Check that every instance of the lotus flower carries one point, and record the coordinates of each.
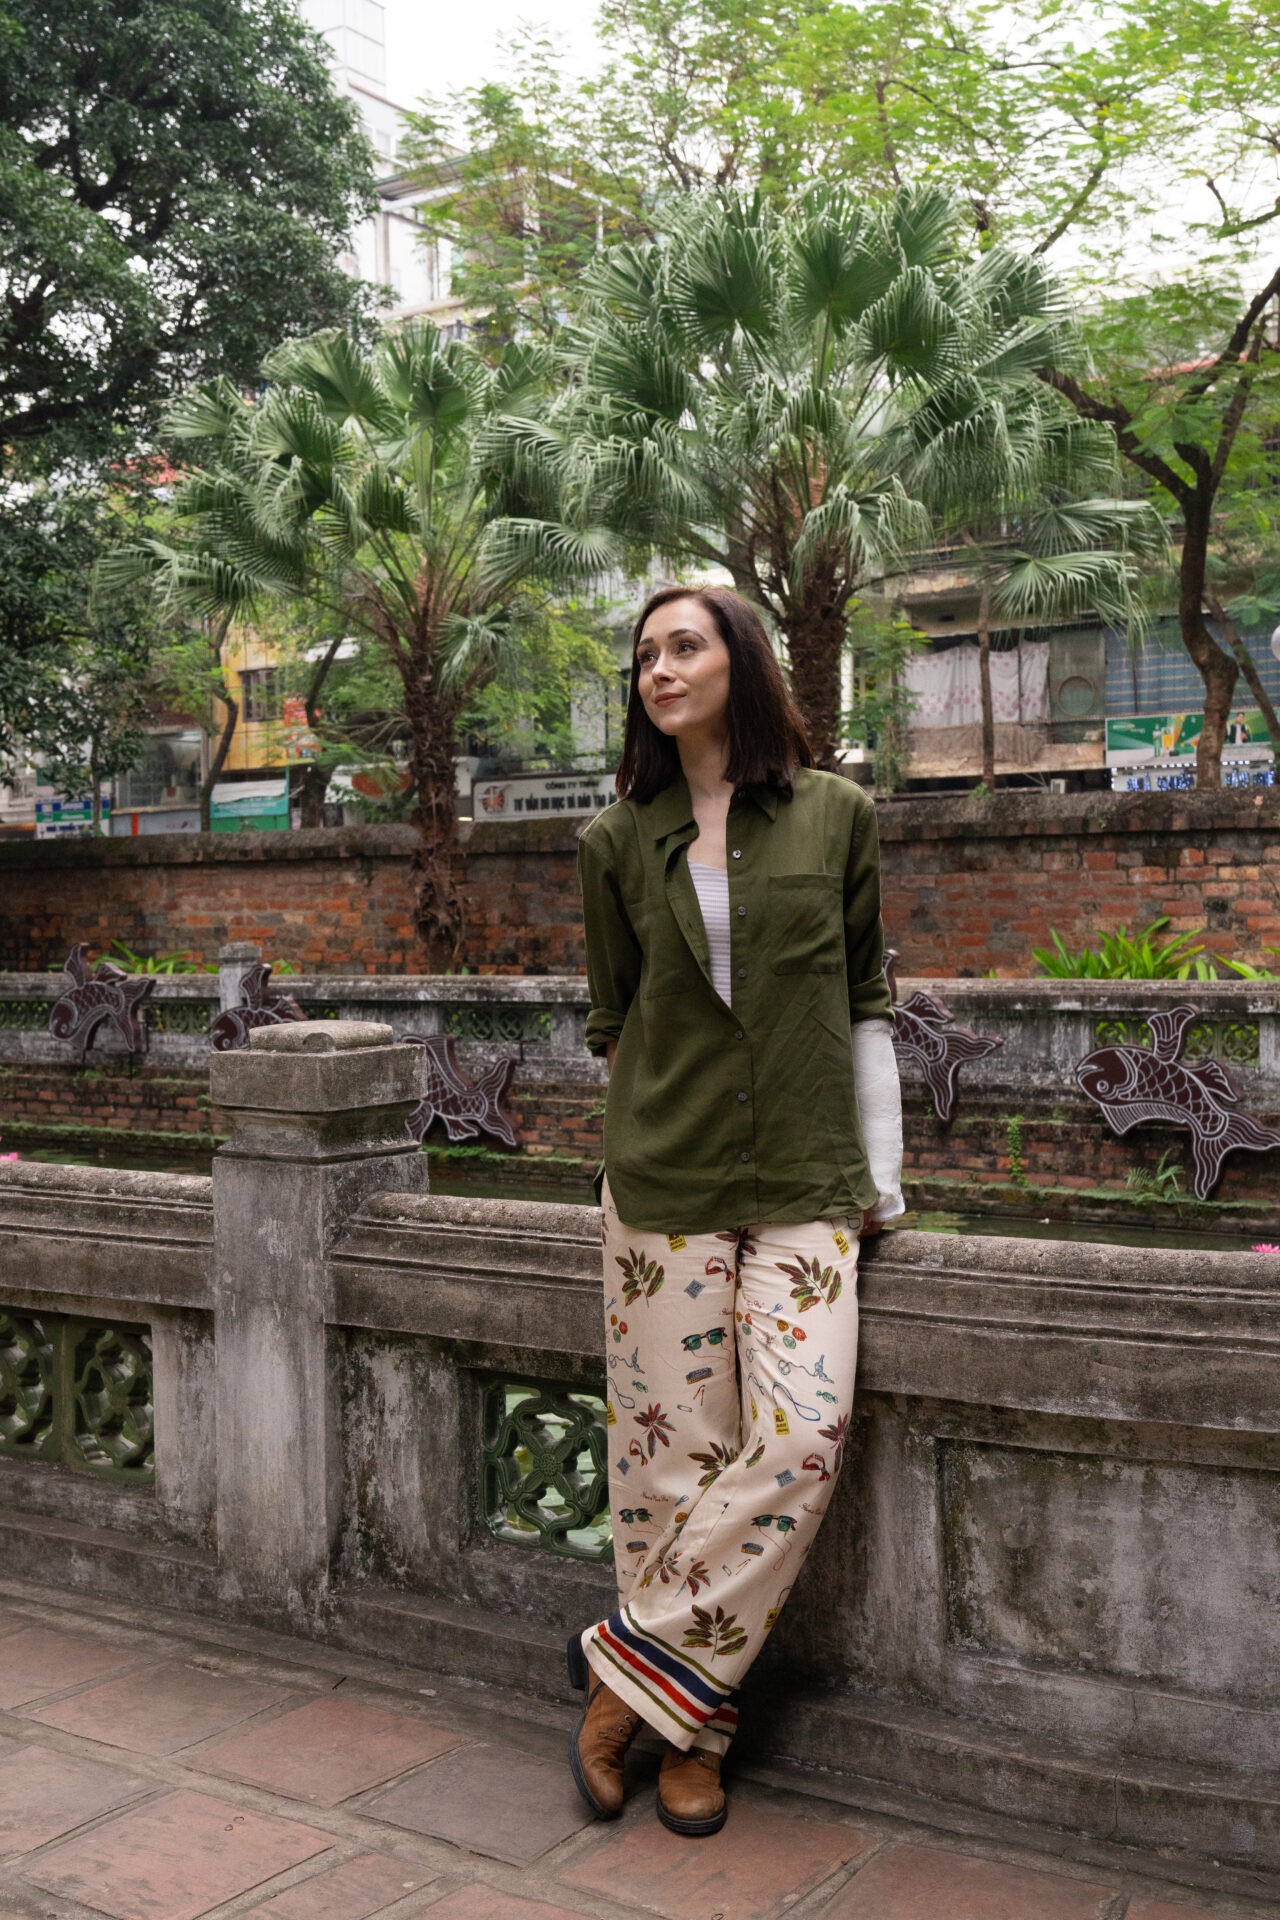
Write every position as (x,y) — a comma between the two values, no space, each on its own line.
(1265,1246)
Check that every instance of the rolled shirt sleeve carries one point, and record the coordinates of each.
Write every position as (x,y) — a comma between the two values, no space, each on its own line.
(869,997)
(879,1096)
(613,952)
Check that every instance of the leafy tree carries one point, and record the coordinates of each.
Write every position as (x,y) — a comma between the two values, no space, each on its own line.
(364,483)
(526,711)
(1198,421)
(178,182)
(880,647)
(753,393)
(72,669)
(190,668)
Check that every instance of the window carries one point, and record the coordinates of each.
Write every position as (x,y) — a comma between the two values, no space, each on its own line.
(263,699)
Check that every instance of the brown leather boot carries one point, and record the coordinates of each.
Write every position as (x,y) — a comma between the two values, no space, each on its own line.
(597,1748)
(690,1797)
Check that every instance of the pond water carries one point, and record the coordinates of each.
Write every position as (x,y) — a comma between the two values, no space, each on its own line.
(453,1179)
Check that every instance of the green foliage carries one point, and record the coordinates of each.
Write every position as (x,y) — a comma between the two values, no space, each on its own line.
(369,485)
(526,710)
(1165,1183)
(1121,956)
(882,704)
(166,963)
(751,393)
(178,182)
(1013,1148)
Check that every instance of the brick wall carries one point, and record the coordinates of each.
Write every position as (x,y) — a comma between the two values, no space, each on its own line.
(969,885)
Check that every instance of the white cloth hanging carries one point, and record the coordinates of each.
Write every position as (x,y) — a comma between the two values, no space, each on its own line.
(949,694)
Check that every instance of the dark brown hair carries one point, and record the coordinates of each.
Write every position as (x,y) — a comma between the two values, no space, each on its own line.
(767,740)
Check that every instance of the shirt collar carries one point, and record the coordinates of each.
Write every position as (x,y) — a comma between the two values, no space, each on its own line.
(672,810)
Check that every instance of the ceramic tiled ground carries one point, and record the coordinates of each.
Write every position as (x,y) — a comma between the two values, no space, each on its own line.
(172,1771)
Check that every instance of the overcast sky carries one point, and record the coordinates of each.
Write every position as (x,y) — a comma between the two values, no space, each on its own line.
(434,48)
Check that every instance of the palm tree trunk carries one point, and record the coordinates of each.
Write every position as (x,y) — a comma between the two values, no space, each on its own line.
(984,683)
(815,636)
(433,752)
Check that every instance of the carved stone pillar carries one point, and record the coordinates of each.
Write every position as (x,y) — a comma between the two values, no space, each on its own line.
(318,1112)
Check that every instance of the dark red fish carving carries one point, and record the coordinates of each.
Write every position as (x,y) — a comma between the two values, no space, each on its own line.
(1133,1084)
(232,1028)
(924,1029)
(107,995)
(467,1107)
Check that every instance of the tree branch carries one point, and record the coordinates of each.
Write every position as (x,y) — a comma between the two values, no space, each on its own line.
(1120,419)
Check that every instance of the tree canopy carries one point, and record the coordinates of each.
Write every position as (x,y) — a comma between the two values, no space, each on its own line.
(178,177)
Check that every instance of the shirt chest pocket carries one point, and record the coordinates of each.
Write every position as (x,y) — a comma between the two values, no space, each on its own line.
(806,923)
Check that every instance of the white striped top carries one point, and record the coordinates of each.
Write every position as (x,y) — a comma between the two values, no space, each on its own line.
(711,884)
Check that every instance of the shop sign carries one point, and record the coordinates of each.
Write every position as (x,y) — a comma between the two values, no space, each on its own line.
(530,796)
(1156,752)
(57,816)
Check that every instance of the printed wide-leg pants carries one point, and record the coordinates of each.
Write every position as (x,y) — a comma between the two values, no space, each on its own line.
(731,1361)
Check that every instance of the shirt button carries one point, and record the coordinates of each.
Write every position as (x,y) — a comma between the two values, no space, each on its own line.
(737,853)
(738,1034)
(742,973)
(742,1096)
(741,912)
(744,1156)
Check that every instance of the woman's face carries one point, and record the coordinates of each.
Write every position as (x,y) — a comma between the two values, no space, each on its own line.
(684,671)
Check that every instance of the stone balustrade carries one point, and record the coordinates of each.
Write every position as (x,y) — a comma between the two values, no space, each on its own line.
(309,1394)
(1046,1025)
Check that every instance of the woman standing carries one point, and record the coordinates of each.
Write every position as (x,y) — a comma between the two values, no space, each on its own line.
(753,1132)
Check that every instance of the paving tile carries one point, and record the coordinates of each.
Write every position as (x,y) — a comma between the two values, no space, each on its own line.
(1166,1910)
(175,1858)
(39,1660)
(43,1795)
(325,1751)
(489,1799)
(756,1861)
(924,1883)
(489,1903)
(357,1888)
(161,1708)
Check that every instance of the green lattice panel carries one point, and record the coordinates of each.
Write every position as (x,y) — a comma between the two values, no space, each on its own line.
(546,1469)
(1240,1043)
(510,1024)
(77,1393)
(27,1387)
(1235,1041)
(112,1421)
(25,1016)
(179,1016)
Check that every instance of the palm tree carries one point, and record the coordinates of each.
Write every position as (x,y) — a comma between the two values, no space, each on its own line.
(736,396)
(359,482)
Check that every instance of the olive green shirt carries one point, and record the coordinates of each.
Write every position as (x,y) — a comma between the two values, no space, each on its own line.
(722,1116)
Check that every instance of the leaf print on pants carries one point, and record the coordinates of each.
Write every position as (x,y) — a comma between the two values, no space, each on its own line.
(655,1426)
(813,1283)
(640,1277)
(718,1631)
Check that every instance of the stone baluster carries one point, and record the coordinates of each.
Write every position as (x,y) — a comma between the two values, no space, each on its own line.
(234,961)
(318,1111)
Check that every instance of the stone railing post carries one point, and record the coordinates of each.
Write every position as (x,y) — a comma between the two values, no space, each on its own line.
(318,1111)
(234,961)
